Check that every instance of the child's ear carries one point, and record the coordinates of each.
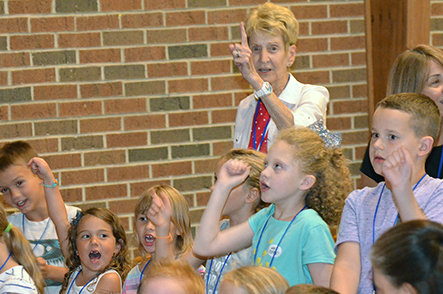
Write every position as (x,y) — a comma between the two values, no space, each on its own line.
(252,195)
(407,289)
(426,144)
(307,182)
(118,246)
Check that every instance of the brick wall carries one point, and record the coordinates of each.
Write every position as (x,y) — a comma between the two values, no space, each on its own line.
(119,95)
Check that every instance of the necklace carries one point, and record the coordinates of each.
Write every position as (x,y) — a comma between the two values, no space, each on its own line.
(219,275)
(143,271)
(44,231)
(279,242)
(254,128)
(3,265)
(76,279)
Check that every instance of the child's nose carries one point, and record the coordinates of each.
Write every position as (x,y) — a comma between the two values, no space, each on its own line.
(94,240)
(15,193)
(377,143)
(150,226)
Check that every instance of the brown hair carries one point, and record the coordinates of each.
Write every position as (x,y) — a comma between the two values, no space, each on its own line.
(257,280)
(425,115)
(275,20)
(179,270)
(411,69)
(327,165)
(309,289)
(15,152)
(21,251)
(119,262)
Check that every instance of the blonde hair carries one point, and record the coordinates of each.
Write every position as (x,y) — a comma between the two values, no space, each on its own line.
(274,20)
(180,215)
(254,159)
(411,69)
(257,280)
(120,260)
(425,115)
(14,153)
(327,165)
(21,251)
(309,289)
(179,270)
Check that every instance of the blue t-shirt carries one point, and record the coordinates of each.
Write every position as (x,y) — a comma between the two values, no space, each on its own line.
(307,241)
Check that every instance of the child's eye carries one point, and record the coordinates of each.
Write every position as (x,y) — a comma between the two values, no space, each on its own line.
(374,135)
(4,190)
(277,166)
(142,218)
(393,137)
(103,235)
(85,236)
(19,183)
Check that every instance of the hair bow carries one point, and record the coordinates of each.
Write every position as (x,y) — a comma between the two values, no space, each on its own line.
(76,219)
(330,139)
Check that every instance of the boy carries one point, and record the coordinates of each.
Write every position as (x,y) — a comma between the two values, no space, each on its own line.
(404,128)
(23,190)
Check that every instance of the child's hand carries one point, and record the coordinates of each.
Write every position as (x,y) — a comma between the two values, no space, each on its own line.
(397,169)
(233,173)
(160,211)
(41,168)
(43,266)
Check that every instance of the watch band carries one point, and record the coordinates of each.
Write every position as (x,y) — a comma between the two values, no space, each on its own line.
(266,89)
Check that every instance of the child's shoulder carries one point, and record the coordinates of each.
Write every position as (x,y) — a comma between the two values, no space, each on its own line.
(357,197)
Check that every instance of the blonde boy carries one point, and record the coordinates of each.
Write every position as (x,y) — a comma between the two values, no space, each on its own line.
(23,190)
(404,129)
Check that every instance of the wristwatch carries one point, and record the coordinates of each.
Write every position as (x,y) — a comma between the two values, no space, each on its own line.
(266,89)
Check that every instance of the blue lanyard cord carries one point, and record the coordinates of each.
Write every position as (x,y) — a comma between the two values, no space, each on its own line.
(76,279)
(254,128)
(279,242)
(441,163)
(219,275)
(3,265)
(143,271)
(44,231)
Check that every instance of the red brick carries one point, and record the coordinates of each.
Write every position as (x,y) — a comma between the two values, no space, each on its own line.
(33,76)
(79,40)
(145,53)
(55,92)
(100,56)
(188,85)
(71,195)
(123,206)
(220,49)
(142,20)
(101,90)
(185,18)
(330,60)
(13,25)
(437,9)
(127,139)
(203,198)
(15,59)
(358,58)
(109,124)
(33,111)
(82,108)
(220,148)
(44,145)
(348,43)
(208,34)
(104,157)
(59,161)
(4,112)
(157,70)
(229,83)
(3,78)
(346,10)
(127,105)
(303,28)
(145,122)
(223,116)
(314,77)
(312,45)
(24,42)
(206,166)
(310,11)
(359,91)
(339,123)
(226,16)
(117,174)
(245,2)
(118,5)
(97,22)
(165,4)
(351,107)
(239,96)
(171,169)
(210,67)
(52,24)
(86,176)
(30,7)
(212,101)
(106,192)
(329,27)
(360,152)
(352,138)
(188,119)
(138,188)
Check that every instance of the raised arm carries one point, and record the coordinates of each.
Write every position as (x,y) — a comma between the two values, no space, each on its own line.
(56,206)
(210,241)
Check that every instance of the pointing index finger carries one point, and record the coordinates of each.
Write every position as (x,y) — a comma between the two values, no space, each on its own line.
(244,37)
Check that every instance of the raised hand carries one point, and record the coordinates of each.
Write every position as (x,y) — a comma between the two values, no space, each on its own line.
(41,168)
(397,169)
(232,173)
(160,211)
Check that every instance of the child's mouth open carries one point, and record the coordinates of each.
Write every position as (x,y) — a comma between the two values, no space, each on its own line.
(149,240)
(95,256)
(264,187)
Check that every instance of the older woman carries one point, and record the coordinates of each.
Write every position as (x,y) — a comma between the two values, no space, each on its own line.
(266,52)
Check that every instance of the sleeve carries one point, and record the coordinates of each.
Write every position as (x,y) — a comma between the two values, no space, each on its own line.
(348,230)
(367,169)
(312,106)
(434,207)
(319,246)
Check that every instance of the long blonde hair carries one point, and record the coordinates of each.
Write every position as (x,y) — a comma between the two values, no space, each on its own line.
(21,251)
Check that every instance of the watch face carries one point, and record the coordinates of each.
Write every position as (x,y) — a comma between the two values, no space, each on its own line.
(268,88)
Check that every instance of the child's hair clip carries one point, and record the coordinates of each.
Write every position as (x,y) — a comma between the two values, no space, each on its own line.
(330,139)
(76,219)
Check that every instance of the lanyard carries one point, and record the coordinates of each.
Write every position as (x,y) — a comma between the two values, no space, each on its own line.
(279,242)
(254,128)
(44,231)
(441,163)
(76,279)
(219,275)
(143,271)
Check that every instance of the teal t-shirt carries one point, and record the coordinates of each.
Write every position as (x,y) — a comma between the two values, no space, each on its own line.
(307,241)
